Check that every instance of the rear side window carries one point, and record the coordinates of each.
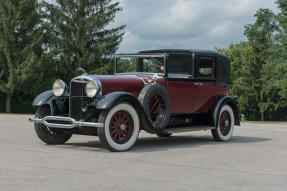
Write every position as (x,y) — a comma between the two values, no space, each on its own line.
(179,64)
(206,67)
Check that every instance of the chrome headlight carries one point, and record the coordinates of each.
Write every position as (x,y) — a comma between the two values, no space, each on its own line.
(92,89)
(59,88)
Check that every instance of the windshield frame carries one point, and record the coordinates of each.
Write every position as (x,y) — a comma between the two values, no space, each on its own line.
(142,55)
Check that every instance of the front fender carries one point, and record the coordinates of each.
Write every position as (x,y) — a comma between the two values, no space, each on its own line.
(43,98)
(109,100)
(57,104)
(112,99)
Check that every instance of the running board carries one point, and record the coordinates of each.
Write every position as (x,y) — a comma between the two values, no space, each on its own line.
(187,129)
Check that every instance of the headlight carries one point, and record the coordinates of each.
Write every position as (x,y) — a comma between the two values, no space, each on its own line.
(92,89)
(59,88)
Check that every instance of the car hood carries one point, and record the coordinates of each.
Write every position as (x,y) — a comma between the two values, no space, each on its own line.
(126,83)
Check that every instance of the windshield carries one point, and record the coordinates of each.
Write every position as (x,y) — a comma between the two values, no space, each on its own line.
(146,64)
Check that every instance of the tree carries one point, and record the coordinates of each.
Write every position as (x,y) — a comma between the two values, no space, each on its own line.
(261,38)
(80,34)
(242,56)
(21,54)
(279,76)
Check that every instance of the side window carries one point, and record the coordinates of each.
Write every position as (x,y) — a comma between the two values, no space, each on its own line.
(179,65)
(206,67)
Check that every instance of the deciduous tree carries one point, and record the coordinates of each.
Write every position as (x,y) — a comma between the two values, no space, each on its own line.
(261,38)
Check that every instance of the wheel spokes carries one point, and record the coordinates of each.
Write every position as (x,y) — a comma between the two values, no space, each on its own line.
(225,123)
(121,127)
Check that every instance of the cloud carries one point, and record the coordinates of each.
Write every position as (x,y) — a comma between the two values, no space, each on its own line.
(203,24)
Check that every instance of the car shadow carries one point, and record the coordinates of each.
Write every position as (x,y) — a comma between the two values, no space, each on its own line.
(152,144)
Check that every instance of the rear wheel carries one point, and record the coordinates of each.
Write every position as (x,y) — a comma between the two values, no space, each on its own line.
(225,124)
(50,136)
(121,128)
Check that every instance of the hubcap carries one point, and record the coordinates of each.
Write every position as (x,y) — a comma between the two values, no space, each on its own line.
(225,123)
(121,127)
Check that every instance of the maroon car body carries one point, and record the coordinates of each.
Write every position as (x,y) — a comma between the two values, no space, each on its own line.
(159,91)
(181,94)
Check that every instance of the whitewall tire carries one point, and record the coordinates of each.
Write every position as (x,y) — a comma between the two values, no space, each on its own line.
(225,124)
(121,127)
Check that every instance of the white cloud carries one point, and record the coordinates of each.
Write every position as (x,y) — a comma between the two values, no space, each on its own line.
(187,24)
(202,24)
(221,30)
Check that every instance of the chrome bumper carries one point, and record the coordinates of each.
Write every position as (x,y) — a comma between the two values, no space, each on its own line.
(72,123)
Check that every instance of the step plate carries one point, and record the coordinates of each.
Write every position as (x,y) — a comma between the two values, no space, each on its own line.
(187,129)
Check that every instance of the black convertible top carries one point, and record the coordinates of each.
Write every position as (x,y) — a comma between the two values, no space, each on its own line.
(222,61)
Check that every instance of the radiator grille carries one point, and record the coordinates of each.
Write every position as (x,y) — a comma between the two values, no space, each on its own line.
(78,99)
(78,89)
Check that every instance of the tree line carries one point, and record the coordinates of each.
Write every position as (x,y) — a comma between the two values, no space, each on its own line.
(259,66)
(40,42)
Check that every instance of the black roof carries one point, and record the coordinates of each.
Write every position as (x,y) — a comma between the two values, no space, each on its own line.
(222,64)
(197,51)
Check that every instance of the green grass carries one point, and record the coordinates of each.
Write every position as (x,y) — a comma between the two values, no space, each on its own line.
(266,122)
(17,114)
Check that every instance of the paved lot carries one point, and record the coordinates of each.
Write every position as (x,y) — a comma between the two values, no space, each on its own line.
(256,159)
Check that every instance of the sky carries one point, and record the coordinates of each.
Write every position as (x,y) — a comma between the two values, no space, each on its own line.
(186,24)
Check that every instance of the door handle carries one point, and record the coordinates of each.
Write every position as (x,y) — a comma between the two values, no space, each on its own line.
(198,84)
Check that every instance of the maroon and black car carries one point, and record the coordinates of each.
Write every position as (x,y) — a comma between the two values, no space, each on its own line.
(158,91)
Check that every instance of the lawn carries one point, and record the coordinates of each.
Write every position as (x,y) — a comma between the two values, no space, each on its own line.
(266,122)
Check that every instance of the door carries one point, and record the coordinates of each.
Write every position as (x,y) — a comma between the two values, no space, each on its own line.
(180,83)
(207,90)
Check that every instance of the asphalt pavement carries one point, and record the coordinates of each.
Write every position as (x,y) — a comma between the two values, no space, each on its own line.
(255,159)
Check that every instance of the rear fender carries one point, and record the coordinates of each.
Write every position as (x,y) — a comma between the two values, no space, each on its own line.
(222,101)
(112,99)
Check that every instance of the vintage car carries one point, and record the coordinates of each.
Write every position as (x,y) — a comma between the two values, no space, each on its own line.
(158,91)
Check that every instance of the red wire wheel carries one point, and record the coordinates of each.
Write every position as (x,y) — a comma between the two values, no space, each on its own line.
(121,127)
(225,123)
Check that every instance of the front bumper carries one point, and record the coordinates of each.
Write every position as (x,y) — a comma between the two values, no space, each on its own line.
(64,122)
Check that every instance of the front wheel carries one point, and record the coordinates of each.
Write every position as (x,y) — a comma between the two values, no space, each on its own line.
(121,128)
(50,136)
(225,124)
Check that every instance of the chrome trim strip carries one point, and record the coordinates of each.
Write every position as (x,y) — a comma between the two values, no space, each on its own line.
(142,55)
(73,124)
(86,79)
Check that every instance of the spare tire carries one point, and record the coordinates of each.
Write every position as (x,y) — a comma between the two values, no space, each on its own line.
(155,101)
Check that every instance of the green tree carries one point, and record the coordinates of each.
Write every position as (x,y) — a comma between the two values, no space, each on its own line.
(22,59)
(82,35)
(261,38)
(281,49)
(280,52)
(242,56)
